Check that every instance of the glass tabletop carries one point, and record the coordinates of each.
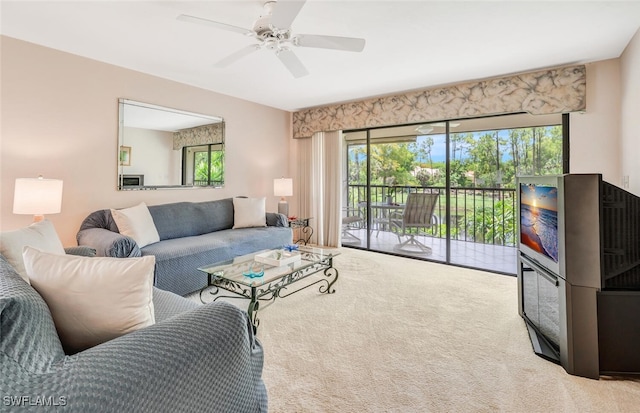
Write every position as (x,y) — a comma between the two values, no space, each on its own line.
(237,269)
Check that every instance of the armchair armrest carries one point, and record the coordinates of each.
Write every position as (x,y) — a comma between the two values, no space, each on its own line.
(396,214)
(108,243)
(275,219)
(206,359)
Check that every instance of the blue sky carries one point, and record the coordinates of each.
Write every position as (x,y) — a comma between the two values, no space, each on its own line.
(439,151)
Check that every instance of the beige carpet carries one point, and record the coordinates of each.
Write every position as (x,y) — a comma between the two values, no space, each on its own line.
(401,335)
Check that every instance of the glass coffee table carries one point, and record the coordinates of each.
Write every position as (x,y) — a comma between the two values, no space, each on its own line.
(241,276)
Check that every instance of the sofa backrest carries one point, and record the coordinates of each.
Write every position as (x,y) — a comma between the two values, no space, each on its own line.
(175,220)
(29,336)
(185,219)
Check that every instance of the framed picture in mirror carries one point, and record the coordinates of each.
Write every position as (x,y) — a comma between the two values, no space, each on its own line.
(125,155)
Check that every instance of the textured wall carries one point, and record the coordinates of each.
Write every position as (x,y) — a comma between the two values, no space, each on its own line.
(558,90)
(60,119)
(594,135)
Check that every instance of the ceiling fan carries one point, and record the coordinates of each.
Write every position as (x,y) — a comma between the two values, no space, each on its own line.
(272,30)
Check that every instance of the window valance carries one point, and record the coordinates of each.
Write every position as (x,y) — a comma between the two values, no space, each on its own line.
(559,90)
(200,135)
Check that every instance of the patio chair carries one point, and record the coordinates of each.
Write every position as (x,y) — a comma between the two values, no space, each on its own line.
(417,216)
(352,220)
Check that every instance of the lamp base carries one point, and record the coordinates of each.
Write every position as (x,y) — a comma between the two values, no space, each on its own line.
(283,208)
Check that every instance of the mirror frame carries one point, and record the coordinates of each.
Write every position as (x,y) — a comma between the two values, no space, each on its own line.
(134,181)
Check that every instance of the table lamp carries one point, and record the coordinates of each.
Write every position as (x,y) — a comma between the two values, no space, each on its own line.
(37,196)
(283,187)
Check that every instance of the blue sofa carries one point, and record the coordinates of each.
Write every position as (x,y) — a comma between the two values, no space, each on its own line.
(192,235)
(195,358)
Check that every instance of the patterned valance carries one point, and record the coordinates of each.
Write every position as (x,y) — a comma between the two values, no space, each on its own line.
(201,135)
(550,91)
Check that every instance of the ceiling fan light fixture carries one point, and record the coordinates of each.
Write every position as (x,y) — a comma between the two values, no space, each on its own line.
(424,129)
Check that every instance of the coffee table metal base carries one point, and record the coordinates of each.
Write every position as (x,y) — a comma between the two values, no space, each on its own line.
(277,288)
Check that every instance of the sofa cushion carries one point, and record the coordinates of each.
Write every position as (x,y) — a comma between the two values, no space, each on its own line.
(93,300)
(136,222)
(178,260)
(187,219)
(249,212)
(41,235)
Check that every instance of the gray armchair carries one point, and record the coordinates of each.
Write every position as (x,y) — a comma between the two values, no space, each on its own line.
(201,358)
(417,216)
(352,219)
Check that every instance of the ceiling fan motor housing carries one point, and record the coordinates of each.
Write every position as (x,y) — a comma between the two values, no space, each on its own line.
(262,26)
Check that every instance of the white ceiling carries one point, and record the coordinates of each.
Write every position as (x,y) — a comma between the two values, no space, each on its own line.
(410,44)
(146,116)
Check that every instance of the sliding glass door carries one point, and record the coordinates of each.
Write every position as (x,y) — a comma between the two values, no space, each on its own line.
(445,191)
(390,171)
(485,156)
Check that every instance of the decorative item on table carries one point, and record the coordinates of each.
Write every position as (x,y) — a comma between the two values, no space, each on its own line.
(283,187)
(278,257)
(291,247)
(255,271)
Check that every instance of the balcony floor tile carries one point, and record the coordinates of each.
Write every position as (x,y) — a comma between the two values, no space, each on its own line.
(495,258)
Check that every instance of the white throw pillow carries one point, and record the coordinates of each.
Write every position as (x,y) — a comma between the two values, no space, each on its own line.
(41,235)
(93,299)
(136,222)
(249,212)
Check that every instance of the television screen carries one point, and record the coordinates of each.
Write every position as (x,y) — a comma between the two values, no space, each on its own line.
(539,219)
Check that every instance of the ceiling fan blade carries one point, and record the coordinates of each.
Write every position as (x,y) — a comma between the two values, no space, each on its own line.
(233,57)
(206,22)
(349,44)
(285,12)
(291,61)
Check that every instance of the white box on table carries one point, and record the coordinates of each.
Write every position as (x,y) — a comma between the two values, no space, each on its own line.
(278,257)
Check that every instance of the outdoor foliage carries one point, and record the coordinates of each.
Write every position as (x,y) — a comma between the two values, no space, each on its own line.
(215,168)
(493,224)
(487,159)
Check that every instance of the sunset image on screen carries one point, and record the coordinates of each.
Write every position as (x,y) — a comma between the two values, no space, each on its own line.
(539,219)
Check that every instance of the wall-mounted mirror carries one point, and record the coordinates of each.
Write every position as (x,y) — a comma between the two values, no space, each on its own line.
(162,148)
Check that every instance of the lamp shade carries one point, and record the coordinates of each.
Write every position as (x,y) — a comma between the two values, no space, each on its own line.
(37,196)
(283,187)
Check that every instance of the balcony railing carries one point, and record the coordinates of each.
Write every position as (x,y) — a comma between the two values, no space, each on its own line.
(480,215)
(207,183)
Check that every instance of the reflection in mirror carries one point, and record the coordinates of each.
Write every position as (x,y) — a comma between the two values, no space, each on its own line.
(168,148)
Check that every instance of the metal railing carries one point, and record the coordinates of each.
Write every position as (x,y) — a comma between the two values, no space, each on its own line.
(207,183)
(480,215)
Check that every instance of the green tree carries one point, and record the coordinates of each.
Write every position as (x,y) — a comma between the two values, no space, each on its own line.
(535,151)
(485,157)
(423,150)
(357,166)
(209,171)
(392,164)
(459,144)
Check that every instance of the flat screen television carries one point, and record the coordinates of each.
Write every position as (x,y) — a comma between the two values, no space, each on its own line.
(539,202)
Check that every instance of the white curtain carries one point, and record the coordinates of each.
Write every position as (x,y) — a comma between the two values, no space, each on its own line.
(320,175)
(303,183)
